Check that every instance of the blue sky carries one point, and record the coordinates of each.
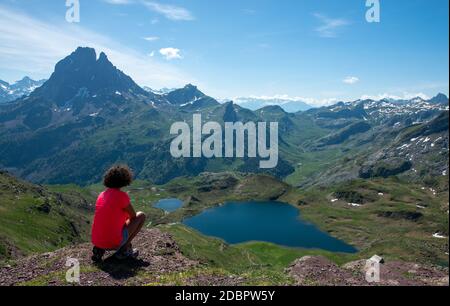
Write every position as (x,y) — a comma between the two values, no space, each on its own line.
(316,50)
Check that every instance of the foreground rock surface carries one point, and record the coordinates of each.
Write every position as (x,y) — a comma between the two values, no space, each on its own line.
(159,255)
(161,262)
(317,270)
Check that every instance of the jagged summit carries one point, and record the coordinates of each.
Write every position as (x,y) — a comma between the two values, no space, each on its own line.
(81,86)
(82,70)
(440,98)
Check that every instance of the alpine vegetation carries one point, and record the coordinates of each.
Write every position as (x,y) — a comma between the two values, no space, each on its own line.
(229,144)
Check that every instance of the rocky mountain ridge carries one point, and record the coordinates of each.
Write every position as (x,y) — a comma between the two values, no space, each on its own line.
(11,92)
(88,108)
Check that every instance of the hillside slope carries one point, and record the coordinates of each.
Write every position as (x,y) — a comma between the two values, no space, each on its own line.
(35,219)
(418,153)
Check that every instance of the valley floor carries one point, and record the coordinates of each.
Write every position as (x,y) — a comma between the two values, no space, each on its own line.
(406,224)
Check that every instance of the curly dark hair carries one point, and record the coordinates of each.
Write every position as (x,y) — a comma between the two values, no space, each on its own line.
(118,176)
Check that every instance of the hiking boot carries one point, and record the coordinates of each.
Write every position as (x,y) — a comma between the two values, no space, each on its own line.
(127,254)
(97,254)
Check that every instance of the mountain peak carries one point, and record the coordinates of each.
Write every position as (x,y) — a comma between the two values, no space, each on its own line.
(289,105)
(273,109)
(27,82)
(25,79)
(440,98)
(82,55)
(82,70)
(21,88)
(190,86)
(103,58)
(188,93)
(85,51)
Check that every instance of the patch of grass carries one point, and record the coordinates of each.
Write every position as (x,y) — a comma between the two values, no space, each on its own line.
(185,278)
(366,228)
(34,219)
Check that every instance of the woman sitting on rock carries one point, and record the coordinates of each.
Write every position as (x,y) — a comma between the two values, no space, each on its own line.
(116,223)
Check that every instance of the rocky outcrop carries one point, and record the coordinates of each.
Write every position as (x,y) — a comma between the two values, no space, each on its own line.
(216,181)
(159,255)
(161,262)
(319,271)
(385,168)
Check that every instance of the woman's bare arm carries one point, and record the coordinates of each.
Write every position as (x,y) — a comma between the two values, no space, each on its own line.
(131,212)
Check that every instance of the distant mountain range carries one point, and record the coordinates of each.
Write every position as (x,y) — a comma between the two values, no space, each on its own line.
(161,91)
(11,92)
(288,105)
(251,103)
(89,115)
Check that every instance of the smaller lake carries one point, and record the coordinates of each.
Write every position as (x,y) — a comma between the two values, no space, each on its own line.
(274,222)
(169,205)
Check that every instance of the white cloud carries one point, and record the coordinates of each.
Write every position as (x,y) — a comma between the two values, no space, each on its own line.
(33,47)
(329,26)
(151,38)
(351,80)
(171,12)
(171,53)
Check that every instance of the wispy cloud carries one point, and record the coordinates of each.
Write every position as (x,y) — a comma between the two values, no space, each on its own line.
(33,47)
(151,38)
(329,26)
(171,53)
(351,80)
(171,12)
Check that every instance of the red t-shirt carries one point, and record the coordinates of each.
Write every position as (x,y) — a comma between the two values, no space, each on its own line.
(110,218)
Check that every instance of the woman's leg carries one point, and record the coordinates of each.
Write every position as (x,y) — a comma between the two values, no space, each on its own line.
(134,227)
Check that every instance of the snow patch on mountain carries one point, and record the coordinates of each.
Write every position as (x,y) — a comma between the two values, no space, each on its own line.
(21,88)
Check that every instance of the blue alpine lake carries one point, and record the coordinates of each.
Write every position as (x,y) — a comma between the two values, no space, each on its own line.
(275,222)
(169,205)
